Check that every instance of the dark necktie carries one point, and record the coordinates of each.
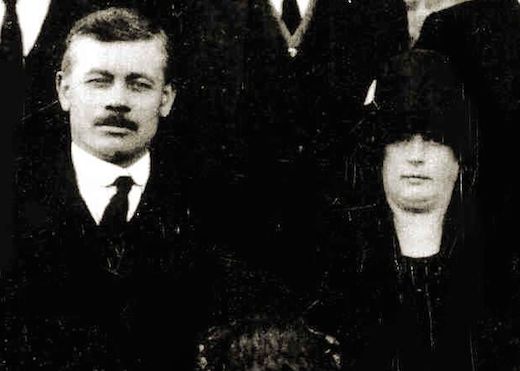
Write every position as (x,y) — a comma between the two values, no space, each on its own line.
(291,15)
(11,48)
(117,209)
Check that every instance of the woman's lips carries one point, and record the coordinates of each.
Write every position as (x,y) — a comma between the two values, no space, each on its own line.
(416,179)
(416,176)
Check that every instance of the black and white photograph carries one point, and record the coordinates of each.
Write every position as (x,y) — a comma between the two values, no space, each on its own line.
(259,185)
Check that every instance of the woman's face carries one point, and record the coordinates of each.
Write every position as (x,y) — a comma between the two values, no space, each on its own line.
(419,175)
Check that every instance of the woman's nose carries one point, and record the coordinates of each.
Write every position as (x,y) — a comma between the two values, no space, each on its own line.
(416,150)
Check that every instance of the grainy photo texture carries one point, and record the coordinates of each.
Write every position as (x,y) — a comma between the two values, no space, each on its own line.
(257,185)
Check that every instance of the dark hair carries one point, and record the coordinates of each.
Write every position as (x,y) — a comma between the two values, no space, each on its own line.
(268,345)
(118,24)
(417,92)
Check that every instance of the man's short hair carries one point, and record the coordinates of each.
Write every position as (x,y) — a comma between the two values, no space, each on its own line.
(117,24)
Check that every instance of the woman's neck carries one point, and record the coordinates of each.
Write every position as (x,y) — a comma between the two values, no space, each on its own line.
(419,234)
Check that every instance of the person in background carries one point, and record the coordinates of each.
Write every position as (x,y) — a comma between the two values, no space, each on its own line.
(418,11)
(264,344)
(482,37)
(30,36)
(31,40)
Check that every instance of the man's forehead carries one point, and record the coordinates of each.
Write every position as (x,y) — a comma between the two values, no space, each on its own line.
(142,54)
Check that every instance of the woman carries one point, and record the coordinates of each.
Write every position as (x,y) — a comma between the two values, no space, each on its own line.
(400,288)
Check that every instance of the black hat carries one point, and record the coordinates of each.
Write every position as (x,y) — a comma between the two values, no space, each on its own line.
(418,93)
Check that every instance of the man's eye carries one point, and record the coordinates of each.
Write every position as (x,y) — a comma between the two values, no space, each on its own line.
(140,85)
(98,82)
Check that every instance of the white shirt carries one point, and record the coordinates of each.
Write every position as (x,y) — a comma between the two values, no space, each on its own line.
(95,179)
(303,5)
(31,15)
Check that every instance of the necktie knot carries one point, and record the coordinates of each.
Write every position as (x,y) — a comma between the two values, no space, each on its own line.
(123,184)
(116,211)
(10,4)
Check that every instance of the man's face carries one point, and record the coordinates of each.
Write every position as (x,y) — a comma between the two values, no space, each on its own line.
(115,93)
(419,175)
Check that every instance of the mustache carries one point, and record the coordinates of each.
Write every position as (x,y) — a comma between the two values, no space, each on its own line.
(119,121)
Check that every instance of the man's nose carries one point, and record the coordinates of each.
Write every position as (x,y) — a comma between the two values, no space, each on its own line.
(416,148)
(118,98)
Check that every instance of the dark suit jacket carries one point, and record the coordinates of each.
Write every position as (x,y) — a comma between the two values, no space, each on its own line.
(144,313)
(274,125)
(43,61)
(32,92)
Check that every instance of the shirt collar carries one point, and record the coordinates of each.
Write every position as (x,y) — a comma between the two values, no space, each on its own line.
(94,171)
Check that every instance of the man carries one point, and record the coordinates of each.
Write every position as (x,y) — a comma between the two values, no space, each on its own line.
(32,37)
(107,255)
(482,37)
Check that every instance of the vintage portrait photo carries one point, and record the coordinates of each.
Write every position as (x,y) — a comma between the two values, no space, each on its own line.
(259,185)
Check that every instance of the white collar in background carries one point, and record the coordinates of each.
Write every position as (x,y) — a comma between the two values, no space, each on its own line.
(303,5)
(95,179)
(31,15)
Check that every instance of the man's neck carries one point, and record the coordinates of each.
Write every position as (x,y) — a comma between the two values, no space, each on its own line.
(125,161)
(117,159)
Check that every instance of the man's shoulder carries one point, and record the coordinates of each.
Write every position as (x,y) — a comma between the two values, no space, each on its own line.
(364,9)
(171,169)
(45,189)
(446,29)
(472,10)
(169,191)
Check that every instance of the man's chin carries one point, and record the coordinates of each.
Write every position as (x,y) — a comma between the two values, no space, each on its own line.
(121,156)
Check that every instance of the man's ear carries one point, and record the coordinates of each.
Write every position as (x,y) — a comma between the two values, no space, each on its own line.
(63,89)
(167,98)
